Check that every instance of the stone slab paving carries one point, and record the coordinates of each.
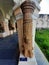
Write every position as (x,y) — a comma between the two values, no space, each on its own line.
(40,58)
(9,50)
(8,46)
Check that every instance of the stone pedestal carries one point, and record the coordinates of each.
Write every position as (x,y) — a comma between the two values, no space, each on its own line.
(27,9)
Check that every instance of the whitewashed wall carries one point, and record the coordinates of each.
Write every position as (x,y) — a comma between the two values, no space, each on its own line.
(43,22)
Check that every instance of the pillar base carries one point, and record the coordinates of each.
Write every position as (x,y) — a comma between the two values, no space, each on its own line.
(4,34)
(30,61)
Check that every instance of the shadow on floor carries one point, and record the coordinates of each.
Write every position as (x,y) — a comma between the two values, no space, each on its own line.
(9,50)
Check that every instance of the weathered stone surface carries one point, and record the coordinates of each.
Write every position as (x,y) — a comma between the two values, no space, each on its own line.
(27,9)
(20,33)
(17,11)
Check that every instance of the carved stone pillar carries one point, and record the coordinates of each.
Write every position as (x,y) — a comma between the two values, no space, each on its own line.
(27,9)
(19,21)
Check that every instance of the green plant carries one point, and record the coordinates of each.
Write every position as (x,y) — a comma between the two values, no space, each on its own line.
(42,39)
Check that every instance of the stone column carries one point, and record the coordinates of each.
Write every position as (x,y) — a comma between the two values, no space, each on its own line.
(20,33)
(6,27)
(19,21)
(27,9)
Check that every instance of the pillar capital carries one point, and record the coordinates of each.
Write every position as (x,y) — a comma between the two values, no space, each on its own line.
(28,7)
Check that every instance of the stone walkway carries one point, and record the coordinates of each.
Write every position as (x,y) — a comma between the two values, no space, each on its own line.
(9,50)
(40,58)
(8,47)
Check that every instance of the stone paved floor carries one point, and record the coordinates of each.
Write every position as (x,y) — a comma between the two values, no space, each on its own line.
(8,47)
(9,50)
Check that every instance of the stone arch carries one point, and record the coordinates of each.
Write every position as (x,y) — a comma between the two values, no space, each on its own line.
(2,12)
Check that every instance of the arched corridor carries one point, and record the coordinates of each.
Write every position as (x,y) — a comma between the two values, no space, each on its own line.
(18,26)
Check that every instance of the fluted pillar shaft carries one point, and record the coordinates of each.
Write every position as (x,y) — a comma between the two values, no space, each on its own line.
(27,9)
